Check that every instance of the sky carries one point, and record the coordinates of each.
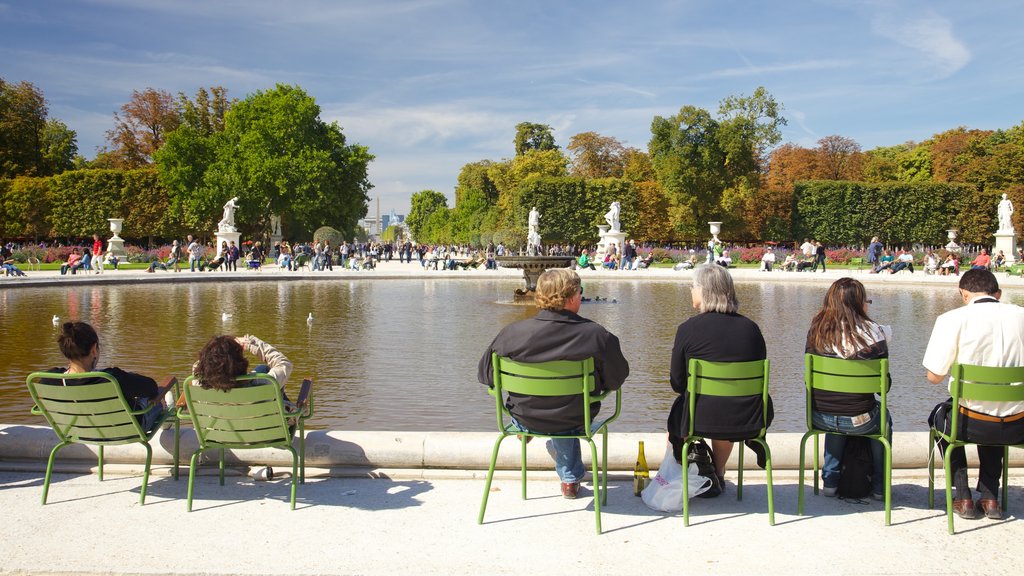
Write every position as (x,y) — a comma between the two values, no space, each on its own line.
(431,85)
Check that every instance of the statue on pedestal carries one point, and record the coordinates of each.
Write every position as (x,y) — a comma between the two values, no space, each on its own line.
(532,232)
(275,225)
(612,217)
(1005,214)
(227,223)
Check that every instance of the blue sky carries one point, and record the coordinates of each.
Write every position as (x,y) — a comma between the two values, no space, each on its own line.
(430,85)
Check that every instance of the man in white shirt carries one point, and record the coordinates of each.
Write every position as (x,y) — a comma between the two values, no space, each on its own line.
(984,332)
(807,248)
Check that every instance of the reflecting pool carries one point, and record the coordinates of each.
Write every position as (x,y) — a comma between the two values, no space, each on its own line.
(402,354)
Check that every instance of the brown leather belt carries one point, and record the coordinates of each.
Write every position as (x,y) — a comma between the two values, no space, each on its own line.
(988,417)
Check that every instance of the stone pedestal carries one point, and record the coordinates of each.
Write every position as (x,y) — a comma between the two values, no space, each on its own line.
(1006,240)
(228,237)
(616,238)
(115,245)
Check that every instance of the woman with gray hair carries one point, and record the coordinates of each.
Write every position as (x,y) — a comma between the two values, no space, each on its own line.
(720,334)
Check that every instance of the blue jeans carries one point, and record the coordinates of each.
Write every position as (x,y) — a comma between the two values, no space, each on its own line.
(566,454)
(835,443)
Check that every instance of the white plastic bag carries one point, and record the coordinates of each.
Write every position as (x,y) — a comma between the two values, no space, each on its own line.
(665,492)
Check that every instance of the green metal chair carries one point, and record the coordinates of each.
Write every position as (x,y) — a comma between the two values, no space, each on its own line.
(731,379)
(856,264)
(557,378)
(983,383)
(253,415)
(855,377)
(89,408)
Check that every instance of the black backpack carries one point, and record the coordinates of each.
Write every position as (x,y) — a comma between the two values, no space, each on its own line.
(857,467)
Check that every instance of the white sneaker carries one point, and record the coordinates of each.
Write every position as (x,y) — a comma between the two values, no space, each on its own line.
(878,496)
(829,492)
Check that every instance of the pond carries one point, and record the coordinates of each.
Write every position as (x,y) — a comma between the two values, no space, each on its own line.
(390,354)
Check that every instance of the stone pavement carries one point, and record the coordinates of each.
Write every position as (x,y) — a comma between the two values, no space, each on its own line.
(394,523)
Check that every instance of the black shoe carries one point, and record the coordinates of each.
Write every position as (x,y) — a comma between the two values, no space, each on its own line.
(758,449)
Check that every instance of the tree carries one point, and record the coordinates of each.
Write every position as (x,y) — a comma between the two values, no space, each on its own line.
(205,114)
(423,206)
(596,156)
(22,122)
(530,136)
(59,147)
(839,158)
(278,157)
(710,168)
(141,127)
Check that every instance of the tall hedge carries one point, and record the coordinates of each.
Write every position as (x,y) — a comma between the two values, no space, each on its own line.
(840,212)
(571,208)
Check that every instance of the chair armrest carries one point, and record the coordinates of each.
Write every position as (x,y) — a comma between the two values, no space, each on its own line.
(307,387)
(166,385)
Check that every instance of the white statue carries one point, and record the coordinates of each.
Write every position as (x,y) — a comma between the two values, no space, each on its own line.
(275,225)
(533,232)
(613,217)
(1005,212)
(227,223)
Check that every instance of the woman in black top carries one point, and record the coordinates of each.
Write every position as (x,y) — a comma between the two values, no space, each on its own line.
(80,344)
(842,329)
(718,334)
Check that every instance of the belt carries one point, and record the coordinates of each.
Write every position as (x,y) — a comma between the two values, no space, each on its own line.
(988,417)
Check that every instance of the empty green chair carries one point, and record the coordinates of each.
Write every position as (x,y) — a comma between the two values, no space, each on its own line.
(253,415)
(731,379)
(855,377)
(557,378)
(89,408)
(983,383)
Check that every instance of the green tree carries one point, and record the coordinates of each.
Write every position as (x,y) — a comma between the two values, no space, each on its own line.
(22,122)
(424,205)
(530,136)
(205,113)
(58,146)
(278,157)
(25,207)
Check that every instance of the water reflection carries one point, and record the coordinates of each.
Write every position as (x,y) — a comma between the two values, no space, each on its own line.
(402,354)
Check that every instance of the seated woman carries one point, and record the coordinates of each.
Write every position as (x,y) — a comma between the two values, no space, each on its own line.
(80,344)
(10,268)
(73,263)
(886,261)
(999,261)
(950,265)
(931,262)
(223,358)
(172,260)
(842,329)
(584,260)
(611,261)
(724,259)
(718,333)
(645,262)
(790,264)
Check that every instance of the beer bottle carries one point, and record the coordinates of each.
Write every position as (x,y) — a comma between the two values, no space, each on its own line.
(641,474)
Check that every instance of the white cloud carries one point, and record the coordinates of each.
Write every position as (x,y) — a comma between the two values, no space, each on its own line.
(930,36)
(752,70)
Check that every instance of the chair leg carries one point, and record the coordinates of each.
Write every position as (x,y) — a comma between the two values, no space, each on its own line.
(771,493)
(887,446)
(490,476)
(598,494)
(100,464)
(604,465)
(739,474)
(145,473)
(193,462)
(49,469)
(686,480)
(817,466)
(302,452)
(221,469)
(800,487)
(522,463)
(295,474)
(177,445)
(947,468)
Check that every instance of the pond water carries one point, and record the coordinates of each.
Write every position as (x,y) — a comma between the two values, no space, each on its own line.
(402,354)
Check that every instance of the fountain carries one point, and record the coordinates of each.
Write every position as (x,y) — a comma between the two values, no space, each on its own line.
(533,263)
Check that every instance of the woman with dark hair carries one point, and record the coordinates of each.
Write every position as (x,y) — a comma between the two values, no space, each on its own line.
(842,329)
(222,359)
(80,344)
(720,334)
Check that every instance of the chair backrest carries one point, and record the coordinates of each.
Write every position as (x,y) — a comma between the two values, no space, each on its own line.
(845,375)
(555,378)
(727,379)
(86,407)
(983,383)
(251,415)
